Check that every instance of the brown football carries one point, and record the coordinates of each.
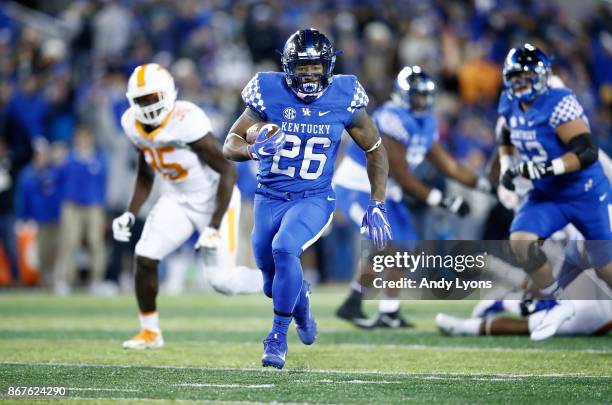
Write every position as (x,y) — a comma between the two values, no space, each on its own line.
(253,131)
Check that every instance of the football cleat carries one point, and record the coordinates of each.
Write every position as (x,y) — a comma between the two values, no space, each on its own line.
(391,320)
(145,339)
(305,324)
(449,325)
(275,351)
(351,311)
(553,319)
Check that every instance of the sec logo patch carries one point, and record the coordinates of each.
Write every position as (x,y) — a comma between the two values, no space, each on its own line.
(289,113)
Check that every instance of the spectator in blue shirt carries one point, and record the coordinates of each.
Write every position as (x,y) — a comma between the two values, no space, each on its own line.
(38,198)
(83,214)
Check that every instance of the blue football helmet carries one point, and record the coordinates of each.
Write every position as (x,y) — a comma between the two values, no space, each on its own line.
(308,47)
(526,58)
(414,89)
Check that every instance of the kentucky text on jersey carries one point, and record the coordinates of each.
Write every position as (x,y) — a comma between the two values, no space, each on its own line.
(297,127)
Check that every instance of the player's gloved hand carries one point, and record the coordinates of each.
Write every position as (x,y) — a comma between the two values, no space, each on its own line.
(533,170)
(376,224)
(265,147)
(208,244)
(509,199)
(507,179)
(456,205)
(210,238)
(122,227)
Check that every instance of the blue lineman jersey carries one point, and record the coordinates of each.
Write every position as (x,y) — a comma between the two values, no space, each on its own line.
(416,133)
(533,135)
(313,130)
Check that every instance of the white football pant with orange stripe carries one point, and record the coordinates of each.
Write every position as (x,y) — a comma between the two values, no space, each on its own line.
(175,217)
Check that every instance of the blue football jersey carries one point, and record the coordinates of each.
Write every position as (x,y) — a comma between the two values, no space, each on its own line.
(416,132)
(533,135)
(313,130)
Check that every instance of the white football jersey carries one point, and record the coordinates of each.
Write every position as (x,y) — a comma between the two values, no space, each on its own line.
(166,150)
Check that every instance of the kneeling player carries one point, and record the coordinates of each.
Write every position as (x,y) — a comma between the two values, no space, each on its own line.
(592,317)
(174,139)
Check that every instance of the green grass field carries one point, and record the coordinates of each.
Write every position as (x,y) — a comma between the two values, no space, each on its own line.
(213,347)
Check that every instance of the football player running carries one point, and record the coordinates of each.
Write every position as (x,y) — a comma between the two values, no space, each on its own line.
(549,130)
(174,140)
(410,135)
(295,201)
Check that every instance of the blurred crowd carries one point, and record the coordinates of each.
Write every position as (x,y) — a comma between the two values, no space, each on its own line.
(66,166)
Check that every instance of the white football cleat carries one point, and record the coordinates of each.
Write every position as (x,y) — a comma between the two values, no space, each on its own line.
(552,320)
(145,339)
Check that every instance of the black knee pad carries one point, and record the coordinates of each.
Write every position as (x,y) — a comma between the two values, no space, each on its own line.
(536,257)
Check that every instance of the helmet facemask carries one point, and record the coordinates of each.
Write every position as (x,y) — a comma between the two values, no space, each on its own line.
(308,60)
(309,77)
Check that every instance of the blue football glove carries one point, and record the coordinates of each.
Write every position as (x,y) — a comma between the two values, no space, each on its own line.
(265,147)
(376,224)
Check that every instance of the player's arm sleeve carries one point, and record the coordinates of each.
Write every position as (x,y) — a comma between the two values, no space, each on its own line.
(583,146)
(253,98)
(391,125)
(357,106)
(567,109)
(502,132)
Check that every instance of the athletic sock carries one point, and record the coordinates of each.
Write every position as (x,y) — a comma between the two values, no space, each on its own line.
(357,289)
(388,305)
(149,321)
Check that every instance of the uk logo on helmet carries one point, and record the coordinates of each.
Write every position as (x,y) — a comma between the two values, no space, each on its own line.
(289,113)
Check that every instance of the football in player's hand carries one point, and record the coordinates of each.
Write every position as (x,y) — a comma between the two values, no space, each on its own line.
(254,130)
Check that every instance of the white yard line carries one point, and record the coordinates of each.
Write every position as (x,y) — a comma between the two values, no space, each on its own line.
(316,371)
(103,389)
(409,347)
(169,401)
(207,385)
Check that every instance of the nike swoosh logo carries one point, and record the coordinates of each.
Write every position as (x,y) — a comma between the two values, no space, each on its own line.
(322,113)
(603,196)
(331,199)
(262,152)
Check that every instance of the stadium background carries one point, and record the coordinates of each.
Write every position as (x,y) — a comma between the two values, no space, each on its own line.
(64,67)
